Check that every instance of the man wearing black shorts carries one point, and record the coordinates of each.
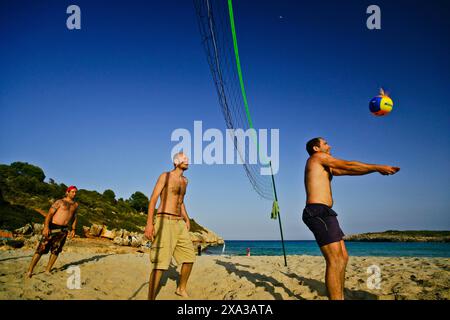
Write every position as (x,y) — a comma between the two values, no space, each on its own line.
(56,229)
(318,214)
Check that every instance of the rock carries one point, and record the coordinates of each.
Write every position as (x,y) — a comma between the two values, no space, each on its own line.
(37,228)
(135,242)
(401,236)
(15,243)
(196,237)
(122,241)
(96,230)
(205,237)
(125,233)
(209,237)
(118,241)
(87,232)
(119,233)
(109,234)
(123,237)
(25,230)
(32,241)
(126,241)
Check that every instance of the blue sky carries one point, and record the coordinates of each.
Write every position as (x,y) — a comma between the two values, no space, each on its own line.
(96,107)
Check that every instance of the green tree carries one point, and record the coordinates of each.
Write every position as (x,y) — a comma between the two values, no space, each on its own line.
(1,196)
(24,184)
(26,169)
(5,171)
(139,201)
(109,195)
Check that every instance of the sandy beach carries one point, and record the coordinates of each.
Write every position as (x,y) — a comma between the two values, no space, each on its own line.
(112,272)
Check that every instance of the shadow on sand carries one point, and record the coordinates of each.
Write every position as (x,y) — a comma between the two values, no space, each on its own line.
(171,273)
(259,280)
(14,258)
(321,289)
(83,261)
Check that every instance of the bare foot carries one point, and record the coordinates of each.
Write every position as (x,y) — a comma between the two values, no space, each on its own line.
(29,274)
(181,293)
(48,273)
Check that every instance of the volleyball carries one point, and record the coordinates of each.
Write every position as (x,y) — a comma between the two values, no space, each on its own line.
(381,105)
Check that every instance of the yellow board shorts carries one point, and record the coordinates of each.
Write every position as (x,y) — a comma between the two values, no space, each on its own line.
(171,239)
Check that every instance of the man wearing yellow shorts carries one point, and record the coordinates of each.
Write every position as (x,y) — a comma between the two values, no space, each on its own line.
(169,230)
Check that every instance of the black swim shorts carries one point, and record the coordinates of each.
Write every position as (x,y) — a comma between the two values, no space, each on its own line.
(322,221)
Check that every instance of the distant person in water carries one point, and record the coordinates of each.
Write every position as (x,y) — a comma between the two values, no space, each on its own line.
(169,230)
(318,215)
(248,252)
(56,229)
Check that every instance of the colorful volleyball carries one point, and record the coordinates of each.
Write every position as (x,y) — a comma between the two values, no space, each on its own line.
(381,105)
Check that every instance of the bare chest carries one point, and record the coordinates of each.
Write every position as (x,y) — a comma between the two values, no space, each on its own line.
(318,173)
(176,187)
(67,208)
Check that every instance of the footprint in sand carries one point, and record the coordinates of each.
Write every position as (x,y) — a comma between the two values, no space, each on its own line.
(230,295)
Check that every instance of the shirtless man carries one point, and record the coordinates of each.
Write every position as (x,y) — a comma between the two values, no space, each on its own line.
(169,230)
(318,215)
(56,229)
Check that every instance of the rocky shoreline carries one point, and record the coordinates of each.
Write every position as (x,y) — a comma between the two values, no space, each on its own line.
(29,235)
(401,236)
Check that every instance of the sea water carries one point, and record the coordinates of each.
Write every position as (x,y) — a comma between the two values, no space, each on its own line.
(309,247)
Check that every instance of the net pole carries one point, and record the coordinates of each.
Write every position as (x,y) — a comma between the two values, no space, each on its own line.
(279,217)
(247,111)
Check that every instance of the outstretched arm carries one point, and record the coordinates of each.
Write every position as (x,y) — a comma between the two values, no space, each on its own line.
(343,167)
(345,172)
